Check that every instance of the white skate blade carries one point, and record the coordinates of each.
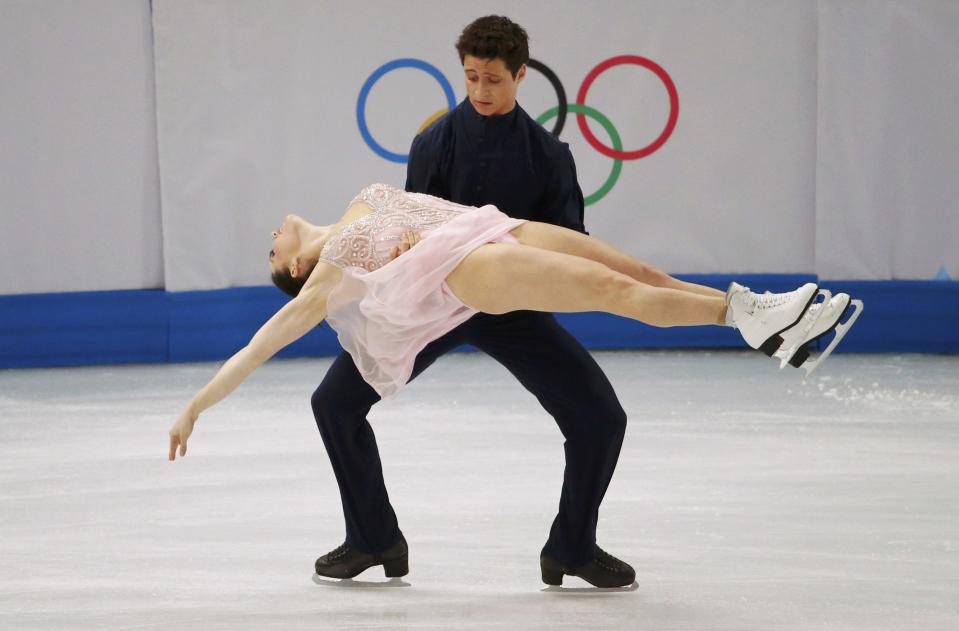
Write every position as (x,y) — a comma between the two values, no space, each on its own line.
(841,330)
(785,354)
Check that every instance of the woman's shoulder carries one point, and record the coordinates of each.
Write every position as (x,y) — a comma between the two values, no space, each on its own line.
(378,194)
(376,187)
(324,276)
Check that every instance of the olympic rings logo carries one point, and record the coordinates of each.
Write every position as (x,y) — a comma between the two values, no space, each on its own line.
(579,108)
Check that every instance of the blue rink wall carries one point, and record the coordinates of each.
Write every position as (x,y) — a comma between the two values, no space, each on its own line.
(148,326)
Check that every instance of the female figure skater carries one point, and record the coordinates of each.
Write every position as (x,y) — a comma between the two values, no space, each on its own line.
(400,269)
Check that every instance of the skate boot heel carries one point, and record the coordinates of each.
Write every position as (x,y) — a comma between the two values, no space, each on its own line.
(397,567)
(772,345)
(799,358)
(552,577)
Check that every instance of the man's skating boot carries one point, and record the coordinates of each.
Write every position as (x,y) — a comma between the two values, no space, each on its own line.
(347,562)
(603,570)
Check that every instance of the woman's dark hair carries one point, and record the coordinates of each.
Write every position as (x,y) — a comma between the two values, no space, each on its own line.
(495,37)
(289,285)
(284,280)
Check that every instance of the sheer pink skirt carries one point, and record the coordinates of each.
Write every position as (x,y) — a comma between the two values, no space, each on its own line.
(384,318)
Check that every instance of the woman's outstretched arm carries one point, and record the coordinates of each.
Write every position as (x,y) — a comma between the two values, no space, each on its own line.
(297,318)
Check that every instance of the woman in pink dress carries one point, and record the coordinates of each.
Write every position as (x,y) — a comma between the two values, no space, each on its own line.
(400,269)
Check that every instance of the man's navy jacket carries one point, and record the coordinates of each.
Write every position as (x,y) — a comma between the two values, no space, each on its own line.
(510,161)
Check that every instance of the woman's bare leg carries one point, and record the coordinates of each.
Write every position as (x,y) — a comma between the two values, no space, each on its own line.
(559,239)
(497,278)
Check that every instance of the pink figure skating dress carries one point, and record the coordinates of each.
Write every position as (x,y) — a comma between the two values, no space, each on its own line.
(385,312)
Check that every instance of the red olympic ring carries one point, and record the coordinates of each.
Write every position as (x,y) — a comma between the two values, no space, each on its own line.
(673,107)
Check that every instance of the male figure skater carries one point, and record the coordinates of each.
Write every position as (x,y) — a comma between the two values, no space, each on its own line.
(489,151)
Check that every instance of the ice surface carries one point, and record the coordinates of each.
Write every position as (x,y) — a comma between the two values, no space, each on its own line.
(744,497)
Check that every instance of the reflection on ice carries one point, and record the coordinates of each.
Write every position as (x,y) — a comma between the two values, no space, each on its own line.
(352,583)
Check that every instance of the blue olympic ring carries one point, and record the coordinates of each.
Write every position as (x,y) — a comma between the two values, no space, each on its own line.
(418,64)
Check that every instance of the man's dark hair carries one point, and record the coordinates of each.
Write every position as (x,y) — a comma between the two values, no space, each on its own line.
(495,37)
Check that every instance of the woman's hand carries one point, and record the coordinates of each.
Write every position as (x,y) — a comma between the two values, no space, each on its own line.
(407,240)
(180,432)
(297,318)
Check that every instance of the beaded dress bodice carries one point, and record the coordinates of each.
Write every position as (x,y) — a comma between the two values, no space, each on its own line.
(366,242)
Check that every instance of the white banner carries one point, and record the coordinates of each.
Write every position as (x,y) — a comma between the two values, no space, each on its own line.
(808,138)
(79,190)
(888,149)
(258,116)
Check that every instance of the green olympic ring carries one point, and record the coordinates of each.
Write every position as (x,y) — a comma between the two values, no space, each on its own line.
(578,108)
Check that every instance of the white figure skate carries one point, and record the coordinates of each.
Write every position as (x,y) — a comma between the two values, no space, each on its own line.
(819,320)
(761,318)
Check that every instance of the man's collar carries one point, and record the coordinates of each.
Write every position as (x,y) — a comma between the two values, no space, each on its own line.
(478,124)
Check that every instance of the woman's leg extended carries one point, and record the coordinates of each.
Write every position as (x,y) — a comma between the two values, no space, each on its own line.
(559,239)
(499,277)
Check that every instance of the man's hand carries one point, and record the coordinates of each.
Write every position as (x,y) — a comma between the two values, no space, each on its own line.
(407,240)
(180,433)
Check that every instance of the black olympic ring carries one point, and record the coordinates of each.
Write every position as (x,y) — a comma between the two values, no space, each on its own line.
(547,72)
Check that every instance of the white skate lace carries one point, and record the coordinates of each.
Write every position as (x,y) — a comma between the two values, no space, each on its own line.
(765,301)
(338,553)
(811,312)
